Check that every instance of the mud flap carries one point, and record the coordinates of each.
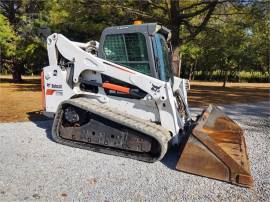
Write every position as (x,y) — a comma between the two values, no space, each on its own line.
(217,149)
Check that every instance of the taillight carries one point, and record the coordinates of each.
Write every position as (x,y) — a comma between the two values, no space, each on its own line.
(43,103)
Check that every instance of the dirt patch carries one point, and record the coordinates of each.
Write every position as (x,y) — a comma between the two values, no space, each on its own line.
(204,93)
(22,102)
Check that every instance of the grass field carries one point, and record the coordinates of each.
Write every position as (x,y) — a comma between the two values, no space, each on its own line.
(22,102)
(203,93)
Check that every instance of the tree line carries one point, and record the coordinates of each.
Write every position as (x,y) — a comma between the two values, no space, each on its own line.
(211,39)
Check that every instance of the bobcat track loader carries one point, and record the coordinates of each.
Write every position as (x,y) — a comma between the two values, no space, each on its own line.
(119,97)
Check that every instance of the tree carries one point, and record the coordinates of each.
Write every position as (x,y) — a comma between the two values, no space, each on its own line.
(205,32)
(19,14)
(7,38)
(176,15)
(8,43)
(232,42)
(191,53)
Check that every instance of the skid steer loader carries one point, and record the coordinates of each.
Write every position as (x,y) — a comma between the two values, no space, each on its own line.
(119,97)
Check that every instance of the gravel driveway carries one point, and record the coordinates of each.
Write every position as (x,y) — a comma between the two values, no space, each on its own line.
(32,167)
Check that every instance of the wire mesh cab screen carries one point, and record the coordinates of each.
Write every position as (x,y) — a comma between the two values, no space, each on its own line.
(128,50)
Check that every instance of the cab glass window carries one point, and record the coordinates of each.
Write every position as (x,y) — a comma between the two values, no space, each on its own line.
(161,57)
(129,50)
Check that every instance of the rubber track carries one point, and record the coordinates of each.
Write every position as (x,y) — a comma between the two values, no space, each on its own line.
(150,129)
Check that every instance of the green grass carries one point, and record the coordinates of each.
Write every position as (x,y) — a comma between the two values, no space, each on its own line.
(242,76)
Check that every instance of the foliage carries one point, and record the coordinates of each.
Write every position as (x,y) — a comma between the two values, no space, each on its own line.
(241,76)
(231,44)
(218,35)
(8,38)
(28,49)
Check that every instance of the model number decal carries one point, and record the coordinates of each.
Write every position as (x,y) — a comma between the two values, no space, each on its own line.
(55,86)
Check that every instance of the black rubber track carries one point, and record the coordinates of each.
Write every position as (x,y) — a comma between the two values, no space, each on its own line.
(149,129)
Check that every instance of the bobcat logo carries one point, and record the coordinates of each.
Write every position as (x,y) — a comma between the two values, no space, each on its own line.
(155,88)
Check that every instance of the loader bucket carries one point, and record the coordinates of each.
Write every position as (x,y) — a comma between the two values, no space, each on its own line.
(216,149)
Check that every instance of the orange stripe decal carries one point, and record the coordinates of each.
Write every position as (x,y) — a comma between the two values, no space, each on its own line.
(43,103)
(116,87)
(50,91)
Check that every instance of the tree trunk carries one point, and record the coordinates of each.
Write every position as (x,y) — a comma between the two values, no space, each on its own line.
(194,69)
(204,74)
(220,75)
(176,68)
(190,72)
(175,29)
(17,73)
(225,79)
(210,75)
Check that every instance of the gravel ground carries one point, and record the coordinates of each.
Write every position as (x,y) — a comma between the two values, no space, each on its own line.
(32,167)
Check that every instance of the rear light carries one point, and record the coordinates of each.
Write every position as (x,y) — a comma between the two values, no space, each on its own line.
(43,104)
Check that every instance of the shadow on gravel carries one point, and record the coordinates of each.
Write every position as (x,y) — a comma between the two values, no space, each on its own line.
(169,160)
(173,154)
(259,110)
(41,121)
(45,124)
(241,111)
(171,157)
(37,116)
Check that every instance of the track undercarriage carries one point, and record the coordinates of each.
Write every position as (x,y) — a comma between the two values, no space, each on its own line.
(87,124)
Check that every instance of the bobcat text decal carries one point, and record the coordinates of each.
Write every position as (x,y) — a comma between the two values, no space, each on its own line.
(54,89)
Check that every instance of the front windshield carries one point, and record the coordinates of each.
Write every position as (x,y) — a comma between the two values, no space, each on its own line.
(161,57)
(129,50)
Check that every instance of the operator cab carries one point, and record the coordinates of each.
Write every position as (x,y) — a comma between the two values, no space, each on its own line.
(144,48)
